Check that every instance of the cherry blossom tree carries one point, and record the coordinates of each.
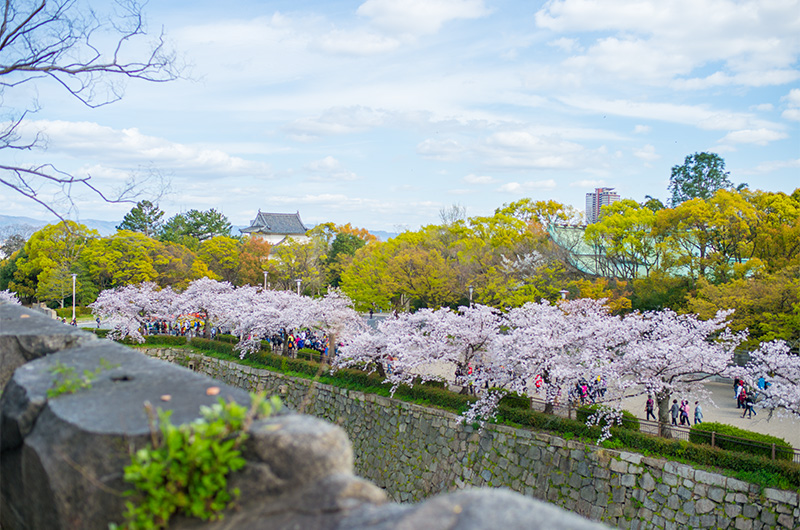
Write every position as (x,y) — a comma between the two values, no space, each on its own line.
(258,313)
(559,346)
(433,345)
(9,297)
(334,315)
(207,297)
(780,368)
(127,309)
(665,353)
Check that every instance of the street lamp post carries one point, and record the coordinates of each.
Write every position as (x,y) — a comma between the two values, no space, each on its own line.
(470,296)
(73,297)
(298,281)
(266,273)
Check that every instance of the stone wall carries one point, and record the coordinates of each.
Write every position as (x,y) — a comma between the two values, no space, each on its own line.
(414,452)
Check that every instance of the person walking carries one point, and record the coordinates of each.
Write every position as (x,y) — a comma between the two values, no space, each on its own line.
(685,412)
(743,394)
(675,411)
(698,413)
(748,408)
(648,408)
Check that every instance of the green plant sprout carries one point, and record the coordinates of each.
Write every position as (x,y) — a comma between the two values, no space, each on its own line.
(185,468)
(67,381)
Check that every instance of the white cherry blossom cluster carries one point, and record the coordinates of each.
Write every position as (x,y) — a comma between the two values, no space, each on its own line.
(774,372)
(9,297)
(250,313)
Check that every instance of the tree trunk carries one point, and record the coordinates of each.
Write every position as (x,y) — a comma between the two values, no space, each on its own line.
(663,403)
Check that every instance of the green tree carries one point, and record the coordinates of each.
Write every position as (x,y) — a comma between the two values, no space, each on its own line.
(366,278)
(122,259)
(177,266)
(55,247)
(343,248)
(221,254)
(625,240)
(294,261)
(700,176)
(767,306)
(193,227)
(145,217)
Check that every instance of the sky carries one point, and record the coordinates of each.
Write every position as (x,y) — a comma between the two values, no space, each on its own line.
(383,113)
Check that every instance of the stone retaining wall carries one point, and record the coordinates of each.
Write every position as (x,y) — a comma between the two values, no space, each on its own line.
(414,452)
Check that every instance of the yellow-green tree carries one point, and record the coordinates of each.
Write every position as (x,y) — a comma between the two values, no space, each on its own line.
(53,250)
(121,259)
(178,266)
(625,240)
(768,306)
(222,255)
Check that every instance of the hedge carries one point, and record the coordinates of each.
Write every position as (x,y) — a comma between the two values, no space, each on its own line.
(754,443)
(80,311)
(629,420)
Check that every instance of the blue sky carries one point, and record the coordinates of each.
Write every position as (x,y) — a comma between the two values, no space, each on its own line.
(381,113)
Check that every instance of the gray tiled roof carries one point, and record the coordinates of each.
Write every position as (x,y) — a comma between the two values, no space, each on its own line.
(276,223)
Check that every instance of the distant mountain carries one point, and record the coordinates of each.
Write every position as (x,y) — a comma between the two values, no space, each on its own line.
(383,236)
(10,222)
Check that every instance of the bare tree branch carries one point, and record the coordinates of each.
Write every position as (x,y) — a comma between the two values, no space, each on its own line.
(89,53)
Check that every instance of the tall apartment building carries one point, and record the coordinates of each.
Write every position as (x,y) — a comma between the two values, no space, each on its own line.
(594,201)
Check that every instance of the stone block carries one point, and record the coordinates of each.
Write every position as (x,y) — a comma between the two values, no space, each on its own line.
(708,521)
(768,518)
(733,510)
(669,479)
(618,466)
(713,479)
(750,510)
(633,458)
(784,496)
(740,523)
(646,482)
(787,521)
(629,481)
(702,506)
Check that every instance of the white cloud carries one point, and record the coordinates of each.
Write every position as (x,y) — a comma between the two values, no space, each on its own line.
(587,184)
(335,121)
(524,187)
(329,168)
(129,147)
(642,129)
(753,136)
(529,150)
(419,17)
(751,42)
(793,97)
(357,42)
(792,100)
(566,45)
(775,165)
(445,150)
(700,116)
(479,179)
(647,153)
